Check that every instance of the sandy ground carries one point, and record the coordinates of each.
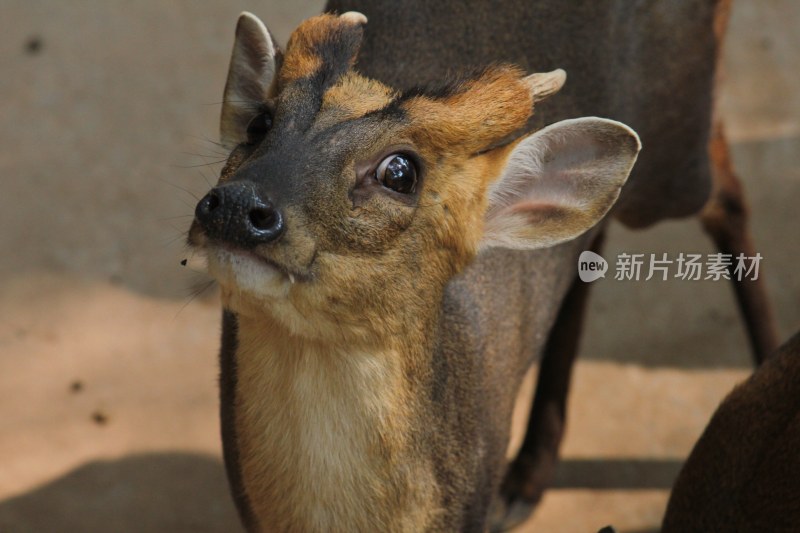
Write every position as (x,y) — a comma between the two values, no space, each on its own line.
(108,365)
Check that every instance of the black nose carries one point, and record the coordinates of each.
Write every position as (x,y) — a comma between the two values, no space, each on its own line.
(238,214)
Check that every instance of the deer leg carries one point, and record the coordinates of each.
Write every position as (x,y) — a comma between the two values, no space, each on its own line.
(725,220)
(533,470)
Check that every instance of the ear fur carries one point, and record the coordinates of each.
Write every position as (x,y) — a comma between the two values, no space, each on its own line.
(559,182)
(251,78)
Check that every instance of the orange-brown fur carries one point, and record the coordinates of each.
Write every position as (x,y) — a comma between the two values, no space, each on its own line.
(483,111)
(356,96)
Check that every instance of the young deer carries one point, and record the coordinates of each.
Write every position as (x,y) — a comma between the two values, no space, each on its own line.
(387,253)
(744,472)
(366,385)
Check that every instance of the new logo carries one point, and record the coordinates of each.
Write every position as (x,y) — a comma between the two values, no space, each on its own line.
(591,266)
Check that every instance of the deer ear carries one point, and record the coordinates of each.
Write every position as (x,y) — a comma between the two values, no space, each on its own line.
(251,78)
(559,182)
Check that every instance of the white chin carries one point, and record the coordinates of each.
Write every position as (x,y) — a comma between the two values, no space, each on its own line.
(239,271)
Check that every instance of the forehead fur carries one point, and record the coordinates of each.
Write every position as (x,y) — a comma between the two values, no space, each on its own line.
(469,115)
(474,113)
(355,95)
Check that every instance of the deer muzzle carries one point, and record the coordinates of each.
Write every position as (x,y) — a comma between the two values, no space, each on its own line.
(238,214)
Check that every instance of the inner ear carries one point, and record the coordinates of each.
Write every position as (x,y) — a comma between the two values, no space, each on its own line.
(559,182)
(251,79)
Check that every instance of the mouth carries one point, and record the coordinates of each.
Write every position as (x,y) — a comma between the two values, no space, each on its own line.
(248,255)
(247,271)
(244,270)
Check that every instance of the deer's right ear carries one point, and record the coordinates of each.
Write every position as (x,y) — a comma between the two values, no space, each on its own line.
(251,78)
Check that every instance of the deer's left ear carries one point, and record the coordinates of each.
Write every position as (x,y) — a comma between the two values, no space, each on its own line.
(251,79)
(559,182)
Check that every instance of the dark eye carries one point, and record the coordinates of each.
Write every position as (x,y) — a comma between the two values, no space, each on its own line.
(258,128)
(398,173)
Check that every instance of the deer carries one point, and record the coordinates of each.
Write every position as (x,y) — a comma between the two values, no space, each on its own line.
(395,232)
(743,474)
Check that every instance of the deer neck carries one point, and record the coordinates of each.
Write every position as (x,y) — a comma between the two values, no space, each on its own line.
(325,434)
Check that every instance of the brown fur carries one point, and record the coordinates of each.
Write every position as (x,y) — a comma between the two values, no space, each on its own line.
(356,403)
(355,96)
(744,472)
(725,219)
(481,112)
(652,69)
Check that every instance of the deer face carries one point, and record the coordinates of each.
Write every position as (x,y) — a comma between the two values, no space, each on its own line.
(345,206)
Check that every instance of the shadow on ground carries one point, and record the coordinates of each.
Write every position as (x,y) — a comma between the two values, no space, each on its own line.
(617,474)
(165,492)
(180,492)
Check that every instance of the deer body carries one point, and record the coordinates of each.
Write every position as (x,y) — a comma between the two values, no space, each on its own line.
(649,65)
(744,472)
(376,328)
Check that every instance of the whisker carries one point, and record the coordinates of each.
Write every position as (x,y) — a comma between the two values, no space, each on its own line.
(197,292)
(208,181)
(206,139)
(187,191)
(181,235)
(247,102)
(213,154)
(190,206)
(166,219)
(200,165)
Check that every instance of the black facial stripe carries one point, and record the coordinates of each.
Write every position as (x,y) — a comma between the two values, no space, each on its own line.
(336,52)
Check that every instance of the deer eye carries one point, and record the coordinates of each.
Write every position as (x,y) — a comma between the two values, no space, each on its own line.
(398,173)
(258,128)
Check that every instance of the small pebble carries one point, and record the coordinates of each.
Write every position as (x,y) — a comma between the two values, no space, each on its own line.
(100,418)
(33,45)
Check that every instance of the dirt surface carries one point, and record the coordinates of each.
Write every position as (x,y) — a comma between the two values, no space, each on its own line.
(108,363)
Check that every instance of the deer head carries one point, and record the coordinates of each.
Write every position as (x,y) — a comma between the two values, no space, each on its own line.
(345,206)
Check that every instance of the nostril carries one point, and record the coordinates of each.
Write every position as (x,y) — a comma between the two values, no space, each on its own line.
(266,222)
(263,218)
(212,201)
(207,204)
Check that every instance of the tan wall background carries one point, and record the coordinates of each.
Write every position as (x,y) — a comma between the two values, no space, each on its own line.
(107,365)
